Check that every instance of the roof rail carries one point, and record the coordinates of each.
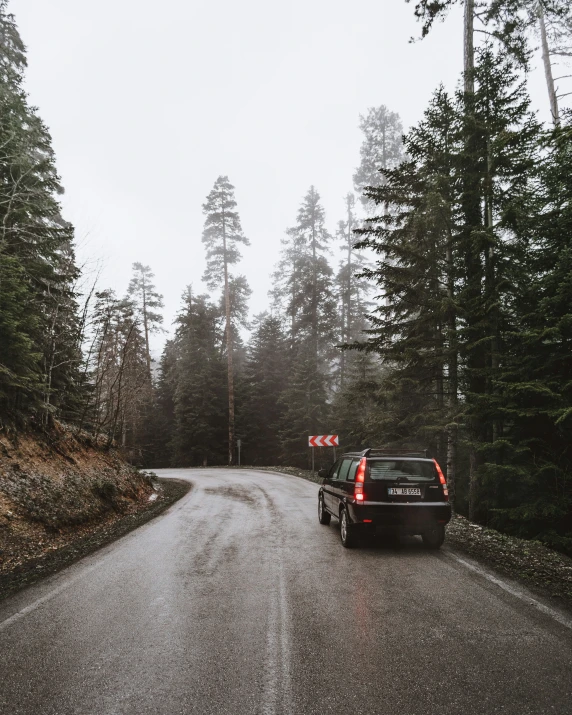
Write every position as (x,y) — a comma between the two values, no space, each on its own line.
(372,452)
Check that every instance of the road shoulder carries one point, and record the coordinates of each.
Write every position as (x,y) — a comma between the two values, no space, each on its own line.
(89,538)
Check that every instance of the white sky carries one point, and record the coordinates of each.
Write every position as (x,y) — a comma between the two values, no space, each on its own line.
(149,102)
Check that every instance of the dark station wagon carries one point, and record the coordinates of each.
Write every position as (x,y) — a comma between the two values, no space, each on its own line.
(391,491)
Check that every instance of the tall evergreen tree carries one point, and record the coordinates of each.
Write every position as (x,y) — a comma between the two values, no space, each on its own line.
(120,378)
(222,236)
(164,415)
(304,290)
(304,278)
(146,302)
(449,261)
(197,385)
(266,377)
(498,164)
(359,408)
(382,148)
(352,290)
(414,326)
(39,327)
(530,489)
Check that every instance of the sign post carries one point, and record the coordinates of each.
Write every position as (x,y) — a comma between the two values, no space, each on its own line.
(323,440)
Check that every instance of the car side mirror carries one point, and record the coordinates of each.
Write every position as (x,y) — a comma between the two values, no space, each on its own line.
(322,473)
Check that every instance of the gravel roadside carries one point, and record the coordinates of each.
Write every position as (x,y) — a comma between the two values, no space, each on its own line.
(86,539)
(545,571)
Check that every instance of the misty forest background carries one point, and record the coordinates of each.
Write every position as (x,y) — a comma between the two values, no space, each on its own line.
(436,312)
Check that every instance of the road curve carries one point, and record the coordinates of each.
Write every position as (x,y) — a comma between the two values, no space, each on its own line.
(237,601)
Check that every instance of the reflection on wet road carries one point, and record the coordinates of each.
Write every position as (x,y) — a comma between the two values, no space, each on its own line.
(237,601)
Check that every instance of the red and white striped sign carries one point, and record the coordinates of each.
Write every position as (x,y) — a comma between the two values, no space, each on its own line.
(323,440)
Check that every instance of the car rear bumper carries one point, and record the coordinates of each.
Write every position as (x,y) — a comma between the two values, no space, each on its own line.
(413,517)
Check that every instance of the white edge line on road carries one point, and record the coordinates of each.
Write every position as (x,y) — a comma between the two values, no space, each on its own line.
(33,606)
(562,619)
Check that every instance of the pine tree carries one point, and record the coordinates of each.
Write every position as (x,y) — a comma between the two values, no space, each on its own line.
(265,376)
(305,405)
(164,414)
(413,329)
(304,293)
(497,164)
(555,30)
(40,358)
(504,20)
(197,385)
(146,301)
(222,236)
(382,148)
(533,486)
(359,407)
(120,378)
(352,290)
(304,278)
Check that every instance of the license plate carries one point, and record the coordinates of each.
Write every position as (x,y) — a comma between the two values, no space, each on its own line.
(404,491)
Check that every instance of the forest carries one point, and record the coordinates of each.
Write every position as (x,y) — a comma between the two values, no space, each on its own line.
(435,311)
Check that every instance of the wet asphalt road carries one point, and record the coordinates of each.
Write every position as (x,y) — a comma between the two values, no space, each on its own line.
(237,601)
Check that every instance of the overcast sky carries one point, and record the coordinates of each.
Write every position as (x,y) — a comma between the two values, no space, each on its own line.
(149,102)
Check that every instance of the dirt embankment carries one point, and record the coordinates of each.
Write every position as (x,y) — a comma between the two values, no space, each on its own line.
(61,496)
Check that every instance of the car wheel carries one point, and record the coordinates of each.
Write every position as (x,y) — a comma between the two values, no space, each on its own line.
(323,516)
(347,532)
(434,537)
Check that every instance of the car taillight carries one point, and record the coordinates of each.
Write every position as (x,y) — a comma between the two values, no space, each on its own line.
(360,479)
(442,479)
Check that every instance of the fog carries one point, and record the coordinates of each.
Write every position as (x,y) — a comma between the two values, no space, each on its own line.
(148,104)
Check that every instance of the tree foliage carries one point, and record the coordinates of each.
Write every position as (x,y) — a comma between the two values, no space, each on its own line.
(40,327)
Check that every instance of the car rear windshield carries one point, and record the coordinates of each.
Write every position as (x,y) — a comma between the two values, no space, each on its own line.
(411,469)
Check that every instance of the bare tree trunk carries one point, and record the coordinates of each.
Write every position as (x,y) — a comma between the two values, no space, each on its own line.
(469,87)
(146,328)
(52,360)
(548,69)
(349,319)
(473,483)
(229,352)
(469,46)
(119,381)
(314,294)
(346,322)
(343,353)
(452,369)
(490,277)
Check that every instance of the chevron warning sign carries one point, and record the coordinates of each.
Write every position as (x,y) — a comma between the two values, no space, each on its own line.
(323,440)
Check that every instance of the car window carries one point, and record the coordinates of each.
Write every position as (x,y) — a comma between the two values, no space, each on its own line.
(353,469)
(334,469)
(344,469)
(414,470)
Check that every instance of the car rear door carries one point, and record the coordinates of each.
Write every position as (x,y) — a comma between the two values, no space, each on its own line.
(402,480)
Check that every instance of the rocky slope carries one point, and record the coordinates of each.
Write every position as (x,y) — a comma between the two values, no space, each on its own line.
(56,486)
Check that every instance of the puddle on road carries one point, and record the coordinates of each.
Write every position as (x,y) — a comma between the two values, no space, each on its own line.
(238,493)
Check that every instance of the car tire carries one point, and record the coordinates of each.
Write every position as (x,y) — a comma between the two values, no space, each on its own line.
(434,537)
(323,516)
(347,531)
